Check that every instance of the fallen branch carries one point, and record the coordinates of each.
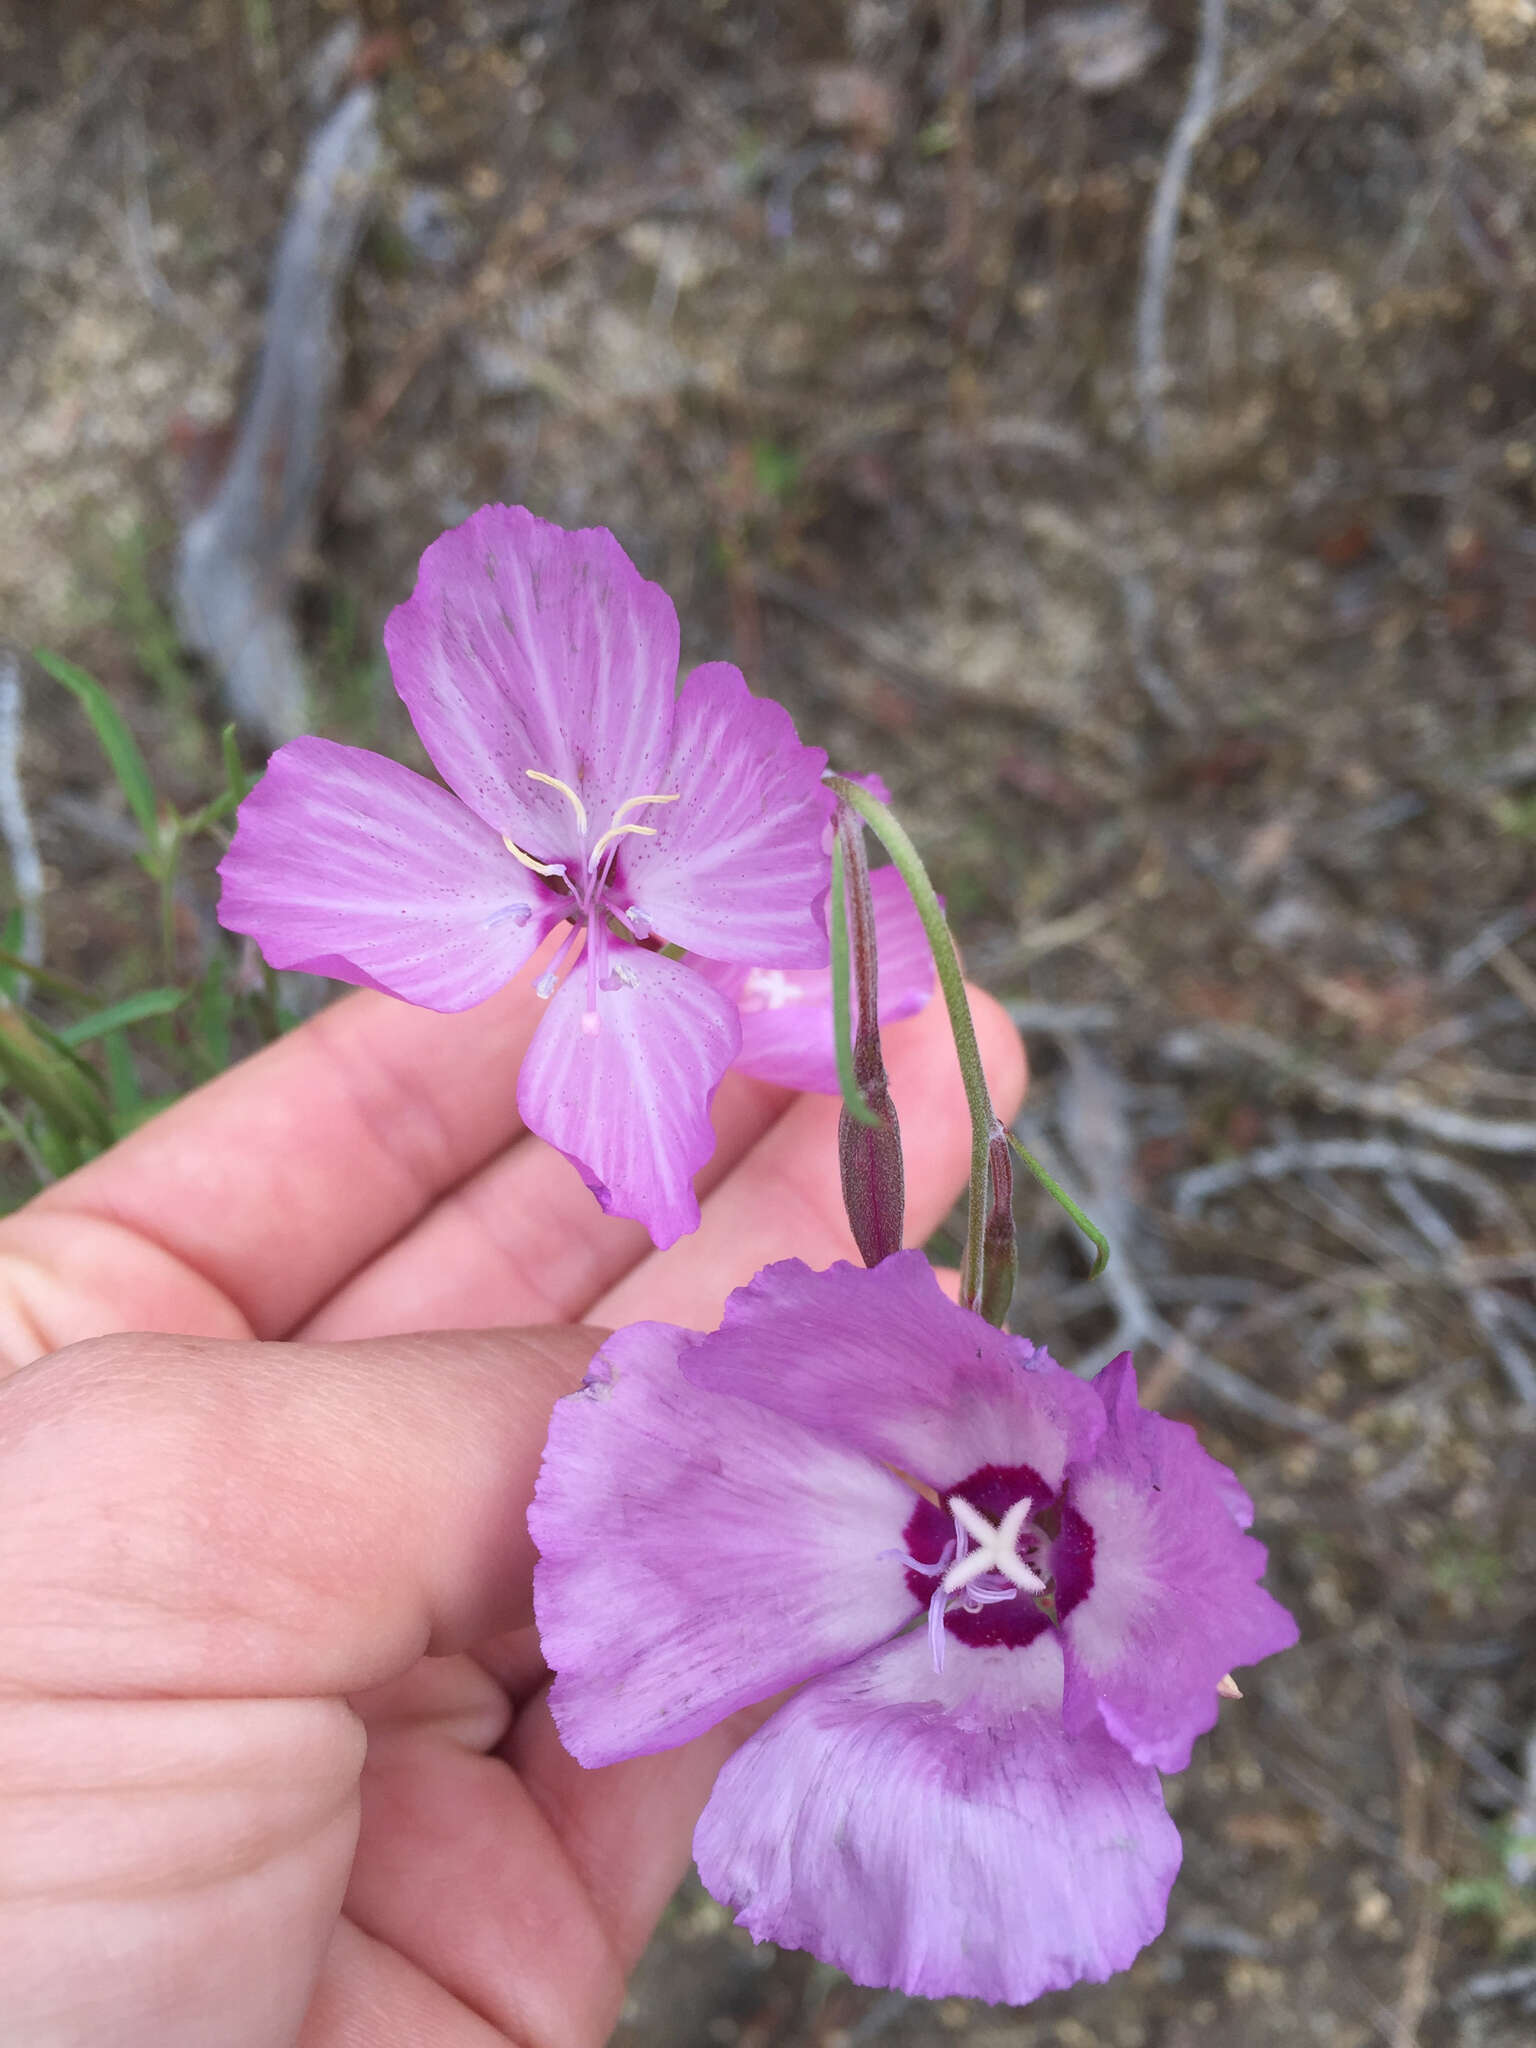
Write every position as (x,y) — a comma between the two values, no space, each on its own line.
(1163,222)
(1097,1133)
(1376,1098)
(239,554)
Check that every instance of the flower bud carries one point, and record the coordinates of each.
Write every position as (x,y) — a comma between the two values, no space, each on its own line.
(999,1244)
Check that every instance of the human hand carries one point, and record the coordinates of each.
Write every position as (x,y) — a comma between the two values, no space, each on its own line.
(275,1763)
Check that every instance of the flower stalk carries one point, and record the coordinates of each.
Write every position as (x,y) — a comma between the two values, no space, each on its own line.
(893,836)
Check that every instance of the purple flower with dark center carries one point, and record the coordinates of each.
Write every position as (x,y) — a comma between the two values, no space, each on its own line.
(540,671)
(1008,1597)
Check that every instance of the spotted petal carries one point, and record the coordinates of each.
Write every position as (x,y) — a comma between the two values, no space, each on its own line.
(524,646)
(1175,1601)
(942,1834)
(697,1555)
(786,1012)
(737,869)
(628,1104)
(883,1361)
(344,863)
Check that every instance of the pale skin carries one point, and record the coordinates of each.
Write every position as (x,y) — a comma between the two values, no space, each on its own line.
(276,1764)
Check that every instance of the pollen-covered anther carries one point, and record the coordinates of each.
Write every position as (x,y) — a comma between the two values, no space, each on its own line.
(539,867)
(996,1547)
(565,789)
(617,830)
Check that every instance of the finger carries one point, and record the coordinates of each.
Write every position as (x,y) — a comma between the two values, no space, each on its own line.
(189,1518)
(475,1871)
(369,1996)
(459,1871)
(784,1199)
(255,1197)
(626,1829)
(523,1241)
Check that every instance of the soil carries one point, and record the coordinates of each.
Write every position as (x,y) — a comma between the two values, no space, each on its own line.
(1213,706)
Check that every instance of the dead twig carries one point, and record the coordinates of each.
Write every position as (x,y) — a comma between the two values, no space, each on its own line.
(1059,1019)
(15,819)
(1341,1155)
(1493,1984)
(1486,1304)
(238,555)
(1413,1808)
(1096,1130)
(1375,1098)
(1163,223)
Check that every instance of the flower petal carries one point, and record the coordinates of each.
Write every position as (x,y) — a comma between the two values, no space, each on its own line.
(628,1104)
(737,870)
(786,1012)
(883,1361)
(1175,1602)
(524,646)
(944,1852)
(344,863)
(696,1554)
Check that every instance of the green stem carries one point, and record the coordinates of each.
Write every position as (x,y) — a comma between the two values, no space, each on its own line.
(842,1024)
(1059,1195)
(168,918)
(893,836)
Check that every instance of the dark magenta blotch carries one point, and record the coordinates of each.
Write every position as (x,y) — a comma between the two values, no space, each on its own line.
(1064,1554)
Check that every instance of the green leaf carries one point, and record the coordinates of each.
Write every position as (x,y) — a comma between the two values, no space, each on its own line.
(1059,1195)
(42,977)
(235,777)
(149,1002)
(122,1081)
(117,742)
(215,1005)
(67,1092)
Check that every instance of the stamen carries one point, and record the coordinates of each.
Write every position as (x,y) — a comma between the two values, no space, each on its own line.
(565,789)
(544,987)
(539,867)
(630,802)
(616,832)
(1228,1689)
(936,1609)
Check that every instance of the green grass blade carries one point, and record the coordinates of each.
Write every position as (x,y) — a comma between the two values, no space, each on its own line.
(149,1002)
(117,742)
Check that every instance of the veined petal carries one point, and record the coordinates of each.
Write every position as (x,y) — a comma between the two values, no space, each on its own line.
(524,646)
(1175,1602)
(786,1012)
(628,1104)
(697,1555)
(344,863)
(943,1854)
(736,870)
(883,1361)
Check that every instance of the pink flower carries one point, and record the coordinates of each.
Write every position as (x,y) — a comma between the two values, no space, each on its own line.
(539,669)
(1007,1598)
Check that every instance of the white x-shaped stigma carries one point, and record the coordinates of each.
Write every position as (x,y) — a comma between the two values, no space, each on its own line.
(996,1548)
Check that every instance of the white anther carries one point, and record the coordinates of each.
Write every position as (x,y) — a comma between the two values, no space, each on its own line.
(996,1547)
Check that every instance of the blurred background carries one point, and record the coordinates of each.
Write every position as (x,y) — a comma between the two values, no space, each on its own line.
(1116,424)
